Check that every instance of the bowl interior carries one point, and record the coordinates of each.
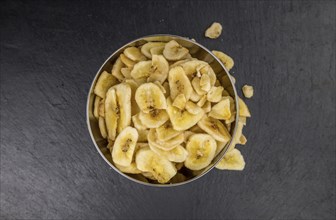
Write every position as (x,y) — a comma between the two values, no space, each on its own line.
(197,51)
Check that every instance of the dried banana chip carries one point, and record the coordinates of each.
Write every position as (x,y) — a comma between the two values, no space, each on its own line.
(174,51)
(248,91)
(214,31)
(127,61)
(96,107)
(151,48)
(134,54)
(102,127)
(225,59)
(104,82)
(116,70)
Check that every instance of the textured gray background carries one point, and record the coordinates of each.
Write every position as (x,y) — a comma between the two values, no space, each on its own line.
(50,52)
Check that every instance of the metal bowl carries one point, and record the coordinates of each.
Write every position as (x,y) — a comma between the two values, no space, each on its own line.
(196,50)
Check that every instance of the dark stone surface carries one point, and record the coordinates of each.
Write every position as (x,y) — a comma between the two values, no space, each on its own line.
(51,50)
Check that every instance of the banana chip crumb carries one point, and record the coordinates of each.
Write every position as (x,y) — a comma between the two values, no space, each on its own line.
(247,91)
(214,31)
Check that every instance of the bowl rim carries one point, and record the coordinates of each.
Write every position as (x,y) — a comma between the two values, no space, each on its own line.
(221,154)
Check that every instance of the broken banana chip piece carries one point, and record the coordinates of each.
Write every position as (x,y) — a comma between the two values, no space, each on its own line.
(215,128)
(214,31)
(116,69)
(207,70)
(225,59)
(180,101)
(166,132)
(137,123)
(243,109)
(96,106)
(247,91)
(221,110)
(165,114)
(102,127)
(242,140)
(232,160)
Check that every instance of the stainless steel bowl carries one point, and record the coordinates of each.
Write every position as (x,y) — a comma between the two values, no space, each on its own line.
(196,50)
